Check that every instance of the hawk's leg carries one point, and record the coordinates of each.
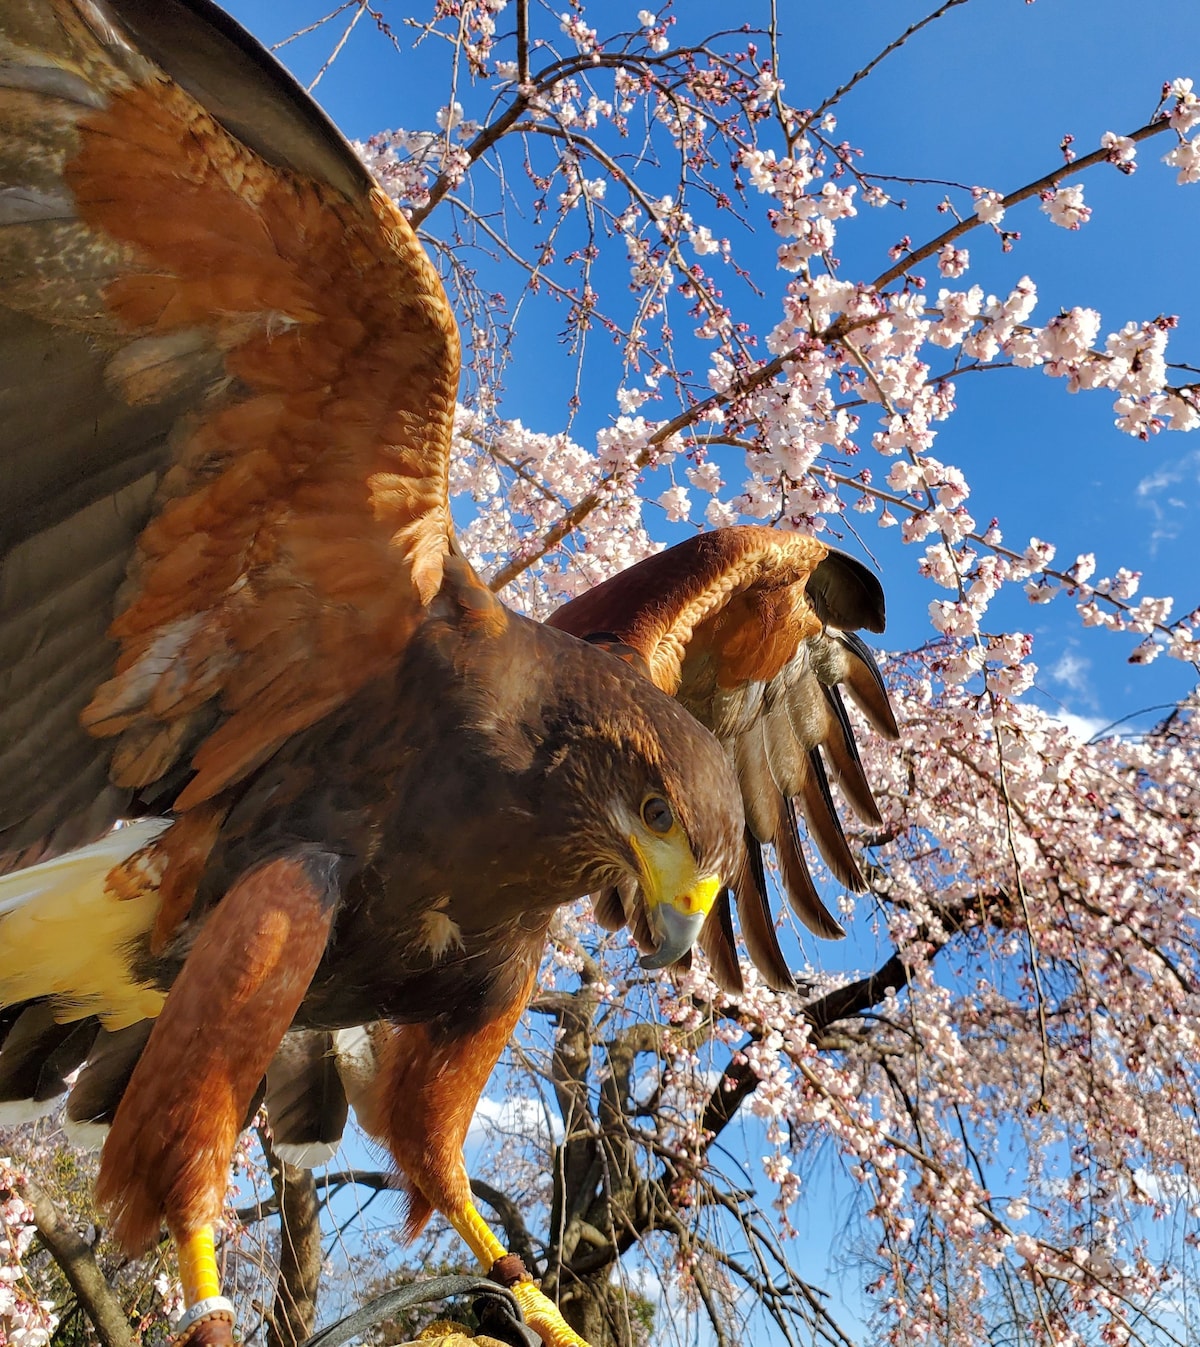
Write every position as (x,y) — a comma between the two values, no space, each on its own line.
(167,1156)
(427,1091)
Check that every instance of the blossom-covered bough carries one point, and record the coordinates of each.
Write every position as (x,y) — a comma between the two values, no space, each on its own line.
(1000,1076)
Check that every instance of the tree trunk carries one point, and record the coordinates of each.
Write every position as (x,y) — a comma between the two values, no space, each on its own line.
(295,1309)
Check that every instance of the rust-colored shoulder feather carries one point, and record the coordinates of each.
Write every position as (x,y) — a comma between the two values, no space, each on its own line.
(738,592)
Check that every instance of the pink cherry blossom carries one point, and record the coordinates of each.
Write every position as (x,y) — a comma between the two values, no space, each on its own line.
(1065,207)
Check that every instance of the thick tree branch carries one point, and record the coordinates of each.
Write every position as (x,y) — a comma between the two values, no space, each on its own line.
(856,997)
(77,1259)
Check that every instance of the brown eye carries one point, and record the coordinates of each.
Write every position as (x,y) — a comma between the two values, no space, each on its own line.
(657,816)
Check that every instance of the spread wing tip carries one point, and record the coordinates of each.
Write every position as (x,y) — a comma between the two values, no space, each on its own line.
(865,684)
(845,593)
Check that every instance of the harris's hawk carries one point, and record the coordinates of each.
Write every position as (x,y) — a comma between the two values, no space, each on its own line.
(748,628)
(233,618)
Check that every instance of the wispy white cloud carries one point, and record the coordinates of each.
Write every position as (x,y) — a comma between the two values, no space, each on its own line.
(1073,671)
(519,1114)
(1169,506)
(1083,728)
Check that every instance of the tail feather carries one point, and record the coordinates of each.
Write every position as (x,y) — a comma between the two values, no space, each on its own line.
(360,1052)
(306,1101)
(65,937)
(98,1089)
(38,1055)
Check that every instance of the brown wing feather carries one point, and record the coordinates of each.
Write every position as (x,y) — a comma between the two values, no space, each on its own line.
(853,666)
(719,944)
(267,350)
(824,826)
(672,605)
(608,910)
(843,593)
(759,790)
(797,879)
(754,917)
(844,762)
(740,625)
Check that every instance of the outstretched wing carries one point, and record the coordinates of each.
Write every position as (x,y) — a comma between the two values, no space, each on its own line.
(227,378)
(751,629)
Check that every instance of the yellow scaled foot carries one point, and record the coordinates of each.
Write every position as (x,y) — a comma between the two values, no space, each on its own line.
(541,1314)
(208,1319)
(198,1266)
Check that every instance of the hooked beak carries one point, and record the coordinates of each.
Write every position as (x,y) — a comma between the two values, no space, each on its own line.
(675,931)
(678,897)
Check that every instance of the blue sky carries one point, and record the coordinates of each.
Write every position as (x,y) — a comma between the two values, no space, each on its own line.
(982,96)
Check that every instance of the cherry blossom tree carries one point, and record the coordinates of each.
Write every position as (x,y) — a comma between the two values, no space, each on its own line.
(996,1077)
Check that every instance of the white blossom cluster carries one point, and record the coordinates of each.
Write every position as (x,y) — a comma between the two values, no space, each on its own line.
(25,1320)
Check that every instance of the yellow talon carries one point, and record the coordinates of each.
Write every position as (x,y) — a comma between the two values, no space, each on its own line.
(542,1315)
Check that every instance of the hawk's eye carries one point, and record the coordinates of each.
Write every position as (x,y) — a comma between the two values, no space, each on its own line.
(657,816)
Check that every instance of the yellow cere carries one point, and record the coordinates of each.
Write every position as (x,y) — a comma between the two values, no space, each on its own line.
(701,897)
(669,874)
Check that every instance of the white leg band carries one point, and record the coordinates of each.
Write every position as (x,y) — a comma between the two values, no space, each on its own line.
(201,1310)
